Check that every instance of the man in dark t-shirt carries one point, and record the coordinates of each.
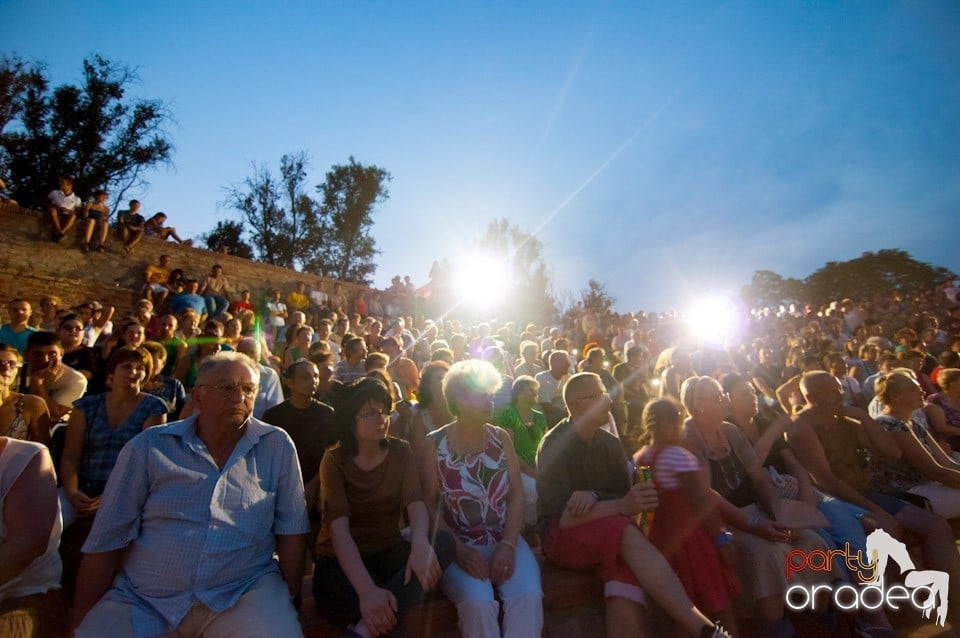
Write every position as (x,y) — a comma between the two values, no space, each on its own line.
(308,422)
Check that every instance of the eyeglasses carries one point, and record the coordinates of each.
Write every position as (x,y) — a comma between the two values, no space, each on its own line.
(370,415)
(592,397)
(10,365)
(227,390)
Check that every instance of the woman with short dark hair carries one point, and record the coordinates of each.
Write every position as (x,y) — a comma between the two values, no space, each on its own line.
(366,575)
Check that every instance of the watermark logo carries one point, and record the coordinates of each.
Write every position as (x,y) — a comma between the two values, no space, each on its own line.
(925,590)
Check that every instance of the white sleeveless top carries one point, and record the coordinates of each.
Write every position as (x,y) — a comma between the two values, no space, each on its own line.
(43,574)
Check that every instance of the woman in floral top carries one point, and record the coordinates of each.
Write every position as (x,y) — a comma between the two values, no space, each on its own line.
(923,468)
(472,467)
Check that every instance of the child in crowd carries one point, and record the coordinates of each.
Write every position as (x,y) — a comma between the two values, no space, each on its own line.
(687,528)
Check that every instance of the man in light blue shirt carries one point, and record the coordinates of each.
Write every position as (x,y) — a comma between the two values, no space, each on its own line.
(190,520)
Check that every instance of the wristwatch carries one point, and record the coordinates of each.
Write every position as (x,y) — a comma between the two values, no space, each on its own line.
(723,538)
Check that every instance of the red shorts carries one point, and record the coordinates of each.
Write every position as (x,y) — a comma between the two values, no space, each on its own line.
(594,545)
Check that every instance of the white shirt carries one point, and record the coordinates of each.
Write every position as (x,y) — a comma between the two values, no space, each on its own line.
(69,202)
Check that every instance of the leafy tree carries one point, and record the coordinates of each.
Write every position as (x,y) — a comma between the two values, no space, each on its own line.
(767,288)
(281,219)
(17,78)
(341,244)
(228,235)
(883,272)
(92,132)
(531,294)
(595,297)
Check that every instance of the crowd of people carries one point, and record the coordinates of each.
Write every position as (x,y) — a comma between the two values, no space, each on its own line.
(65,210)
(171,466)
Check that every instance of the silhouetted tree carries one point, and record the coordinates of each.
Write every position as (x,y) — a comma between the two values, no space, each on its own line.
(531,293)
(767,288)
(595,297)
(92,132)
(228,234)
(341,245)
(883,272)
(281,219)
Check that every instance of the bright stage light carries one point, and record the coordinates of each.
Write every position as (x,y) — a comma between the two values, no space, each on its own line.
(715,319)
(481,281)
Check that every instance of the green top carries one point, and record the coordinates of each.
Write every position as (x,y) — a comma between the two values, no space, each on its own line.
(525,439)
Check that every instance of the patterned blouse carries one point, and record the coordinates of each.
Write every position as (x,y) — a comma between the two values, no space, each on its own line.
(102,442)
(898,476)
(473,488)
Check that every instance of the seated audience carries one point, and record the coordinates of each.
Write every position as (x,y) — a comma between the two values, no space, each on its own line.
(351,366)
(687,527)
(310,425)
(216,292)
(923,468)
(49,313)
(836,442)
(189,300)
(221,476)
(471,470)
(586,508)
(30,601)
(131,225)
(269,392)
(22,416)
(298,347)
(367,575)
(154,227)
(18,330)
(157,278)
(166,388)
(526,426)
(46,376)
(101,424)
(943,410)
(62,210)
(95,215)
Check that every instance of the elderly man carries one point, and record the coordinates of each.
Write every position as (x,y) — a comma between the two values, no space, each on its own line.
(184,541)
(585,506)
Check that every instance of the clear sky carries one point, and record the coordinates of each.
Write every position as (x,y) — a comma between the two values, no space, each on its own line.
(663,148)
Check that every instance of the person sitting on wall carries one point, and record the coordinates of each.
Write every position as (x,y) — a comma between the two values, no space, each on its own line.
(157,276)
(95,214)
(130,224)
(62,210)
(154,228)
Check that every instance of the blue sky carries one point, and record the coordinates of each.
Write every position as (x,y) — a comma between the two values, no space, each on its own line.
(663,148)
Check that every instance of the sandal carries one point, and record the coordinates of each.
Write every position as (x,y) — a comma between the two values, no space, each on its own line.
(101,248)
(86,247)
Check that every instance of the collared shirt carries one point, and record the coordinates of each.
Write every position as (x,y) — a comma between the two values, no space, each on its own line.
(270,393)
(347,373)
(193,531)
(566,463)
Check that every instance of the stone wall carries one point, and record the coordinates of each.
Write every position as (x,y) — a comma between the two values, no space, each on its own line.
(31,266)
